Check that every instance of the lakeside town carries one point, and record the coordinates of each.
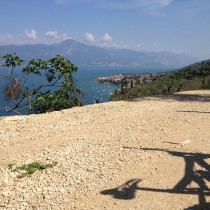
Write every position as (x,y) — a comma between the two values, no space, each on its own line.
(127,80)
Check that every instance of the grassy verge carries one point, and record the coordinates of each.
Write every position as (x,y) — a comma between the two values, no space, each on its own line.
(28,169)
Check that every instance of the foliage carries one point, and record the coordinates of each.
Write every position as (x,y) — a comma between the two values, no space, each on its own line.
(28,169)
(189,78)
(56,91)
(13,89)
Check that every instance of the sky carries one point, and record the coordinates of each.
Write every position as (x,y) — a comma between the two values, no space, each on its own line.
(181,26)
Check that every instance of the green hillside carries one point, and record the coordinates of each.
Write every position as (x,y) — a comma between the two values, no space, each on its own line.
(193,77)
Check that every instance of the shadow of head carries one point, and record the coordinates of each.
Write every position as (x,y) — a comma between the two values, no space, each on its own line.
(205,206)
(126,191)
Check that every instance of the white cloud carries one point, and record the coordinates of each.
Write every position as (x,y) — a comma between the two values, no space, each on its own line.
(131,4)
(56,35)
(89,37)
(107,37)
(119,4)
(30,37)
(165,2)
(66,36)
(53,34)
(18,40)
(31,34)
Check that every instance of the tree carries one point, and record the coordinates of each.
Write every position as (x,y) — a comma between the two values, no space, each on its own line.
(202,71)
(55,86)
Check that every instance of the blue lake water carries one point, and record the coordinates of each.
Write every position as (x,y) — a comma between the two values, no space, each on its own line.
(86,80)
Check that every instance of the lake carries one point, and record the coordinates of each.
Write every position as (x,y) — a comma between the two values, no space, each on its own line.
(86,80)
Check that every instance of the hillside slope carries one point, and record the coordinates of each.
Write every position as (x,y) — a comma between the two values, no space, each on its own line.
(113,156)
(193,77)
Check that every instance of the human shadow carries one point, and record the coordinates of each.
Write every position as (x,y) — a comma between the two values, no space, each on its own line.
(126,191)
(199,176)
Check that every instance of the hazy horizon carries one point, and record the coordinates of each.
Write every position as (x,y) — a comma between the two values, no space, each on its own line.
(142,25)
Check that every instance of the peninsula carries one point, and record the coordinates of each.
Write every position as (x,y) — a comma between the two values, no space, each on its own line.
(127,79)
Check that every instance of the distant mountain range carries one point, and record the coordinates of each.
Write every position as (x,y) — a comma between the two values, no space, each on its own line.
(89,56)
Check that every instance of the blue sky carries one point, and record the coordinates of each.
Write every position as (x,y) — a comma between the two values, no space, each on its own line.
(144,25)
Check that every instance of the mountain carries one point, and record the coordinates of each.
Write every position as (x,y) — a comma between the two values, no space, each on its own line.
(83,55)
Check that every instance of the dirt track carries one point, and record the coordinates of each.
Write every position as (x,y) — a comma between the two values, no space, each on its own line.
(151,153)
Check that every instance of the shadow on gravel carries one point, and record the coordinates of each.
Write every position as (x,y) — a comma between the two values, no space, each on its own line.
(201,177)
(195,112)
(126,191)
(187,97)
(179,97)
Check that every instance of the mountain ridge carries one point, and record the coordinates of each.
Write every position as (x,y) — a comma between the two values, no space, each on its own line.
(84,55)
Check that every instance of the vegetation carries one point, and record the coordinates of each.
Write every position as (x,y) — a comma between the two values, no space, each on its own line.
(55,87)
(193,77)
(26,170)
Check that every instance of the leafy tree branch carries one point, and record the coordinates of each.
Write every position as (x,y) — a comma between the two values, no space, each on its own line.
(56,91)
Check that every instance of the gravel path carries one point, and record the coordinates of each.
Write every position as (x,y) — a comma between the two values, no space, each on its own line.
(151,153)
